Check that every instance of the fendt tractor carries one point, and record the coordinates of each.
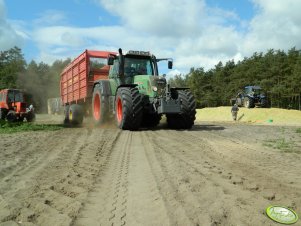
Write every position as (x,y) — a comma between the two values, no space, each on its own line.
(126,87)
(14,106)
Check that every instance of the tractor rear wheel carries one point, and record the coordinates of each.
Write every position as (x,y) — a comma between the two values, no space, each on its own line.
(128,108)
(76,114)
(184,120)
(99,109)
(2,114)
(150,120)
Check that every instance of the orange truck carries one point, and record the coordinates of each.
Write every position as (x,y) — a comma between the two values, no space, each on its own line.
(13,106)
(78,81)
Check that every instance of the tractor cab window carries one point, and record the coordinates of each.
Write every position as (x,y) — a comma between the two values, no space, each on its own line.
(257,91)
(15,96)
(137,66)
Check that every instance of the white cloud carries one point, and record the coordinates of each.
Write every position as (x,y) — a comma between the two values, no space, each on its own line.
(276,25)
(51,17)
(191,32)
(9,37)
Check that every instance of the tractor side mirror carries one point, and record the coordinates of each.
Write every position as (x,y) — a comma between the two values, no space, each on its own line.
(111,59)
(169,64)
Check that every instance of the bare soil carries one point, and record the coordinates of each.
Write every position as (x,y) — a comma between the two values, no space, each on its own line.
(215,174)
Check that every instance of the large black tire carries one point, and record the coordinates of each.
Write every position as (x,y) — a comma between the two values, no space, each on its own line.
(76,114)
(66,113)
(11,116)
(128,108)
(249,102)
(99,106)
(150,120)
(30,117)
(3,113)
(264,103)
(184,120)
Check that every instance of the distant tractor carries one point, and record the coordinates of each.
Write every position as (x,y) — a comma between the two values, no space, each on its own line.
(129,90)
(250,97)
(14,107)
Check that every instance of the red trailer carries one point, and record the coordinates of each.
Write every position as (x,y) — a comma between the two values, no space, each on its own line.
(77,82)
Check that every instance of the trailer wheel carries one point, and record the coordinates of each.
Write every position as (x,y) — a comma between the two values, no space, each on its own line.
(76,114)
(66,112)
(99,108)
(184,120)
(128,108)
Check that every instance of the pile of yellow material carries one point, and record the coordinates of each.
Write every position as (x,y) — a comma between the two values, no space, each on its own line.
(273,116)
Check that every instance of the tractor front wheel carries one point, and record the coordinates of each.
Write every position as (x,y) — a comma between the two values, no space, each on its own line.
(128,108)
(184,120)
(249,102)
(30,117)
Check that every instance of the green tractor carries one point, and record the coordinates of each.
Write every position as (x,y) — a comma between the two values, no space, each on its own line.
(138,96)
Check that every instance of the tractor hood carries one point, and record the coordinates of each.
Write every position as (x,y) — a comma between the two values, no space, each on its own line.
(150,85)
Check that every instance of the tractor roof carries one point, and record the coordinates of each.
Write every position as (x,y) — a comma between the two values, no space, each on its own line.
(253,87)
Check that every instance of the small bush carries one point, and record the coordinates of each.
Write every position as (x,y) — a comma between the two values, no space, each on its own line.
(8,127)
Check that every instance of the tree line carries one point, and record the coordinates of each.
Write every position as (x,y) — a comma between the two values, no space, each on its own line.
(39,80)
(277,72)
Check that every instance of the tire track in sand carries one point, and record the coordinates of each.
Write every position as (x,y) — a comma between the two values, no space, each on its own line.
(127,192)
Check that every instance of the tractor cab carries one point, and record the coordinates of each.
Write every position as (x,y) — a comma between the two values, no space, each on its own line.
(126,67)
(253,90)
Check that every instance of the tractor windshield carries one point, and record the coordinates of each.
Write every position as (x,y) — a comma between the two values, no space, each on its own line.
(14,96)
(138,66)
(257,91)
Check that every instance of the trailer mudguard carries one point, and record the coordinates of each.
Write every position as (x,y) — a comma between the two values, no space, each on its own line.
(104,86)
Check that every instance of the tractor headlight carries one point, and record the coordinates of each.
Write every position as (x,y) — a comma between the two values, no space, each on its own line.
(155,89)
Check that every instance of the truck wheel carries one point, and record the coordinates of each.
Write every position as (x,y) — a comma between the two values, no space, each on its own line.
(66,112)
(150,120)
(11,116)
(184,120)
(99,108)
(76,114)
(128,108)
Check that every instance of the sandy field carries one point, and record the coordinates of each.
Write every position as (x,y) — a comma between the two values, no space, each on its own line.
(218,173)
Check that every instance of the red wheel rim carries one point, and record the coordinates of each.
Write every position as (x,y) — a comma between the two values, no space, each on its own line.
(119,110)
(96,107)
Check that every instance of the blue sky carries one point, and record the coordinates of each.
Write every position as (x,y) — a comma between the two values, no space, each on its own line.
(196,33)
